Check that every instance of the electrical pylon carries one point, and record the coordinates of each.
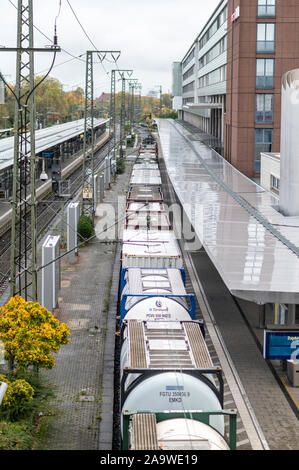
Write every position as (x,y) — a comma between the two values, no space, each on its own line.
(132,84)
(87,198)
(23,265)
(122,74)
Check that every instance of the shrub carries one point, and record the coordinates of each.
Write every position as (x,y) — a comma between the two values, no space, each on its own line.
(30,333)
(18,397)
(85,227)
(120,166)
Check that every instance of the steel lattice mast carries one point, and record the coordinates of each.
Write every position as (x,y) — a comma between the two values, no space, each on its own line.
(87,198)
(122,74)
(23,265)
(132,85)
(123,106)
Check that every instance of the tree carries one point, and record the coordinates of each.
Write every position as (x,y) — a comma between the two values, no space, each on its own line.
(30,334)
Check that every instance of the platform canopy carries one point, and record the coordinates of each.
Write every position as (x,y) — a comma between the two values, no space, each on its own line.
(251,244)
(46,138)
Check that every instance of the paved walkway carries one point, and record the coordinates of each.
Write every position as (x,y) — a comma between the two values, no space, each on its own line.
(84,305)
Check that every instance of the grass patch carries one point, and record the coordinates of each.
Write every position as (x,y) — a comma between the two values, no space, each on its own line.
(28,430)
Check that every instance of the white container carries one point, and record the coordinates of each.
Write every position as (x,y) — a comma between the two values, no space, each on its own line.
(158,309)
(149,207)
(146,165)
(151,249)
(147,220)
(188,434)
(171,391)
(143,176)
(141,283)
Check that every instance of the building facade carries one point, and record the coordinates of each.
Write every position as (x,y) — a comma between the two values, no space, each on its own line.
(231,76)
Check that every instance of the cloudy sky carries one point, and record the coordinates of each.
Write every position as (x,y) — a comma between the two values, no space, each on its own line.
(151,34)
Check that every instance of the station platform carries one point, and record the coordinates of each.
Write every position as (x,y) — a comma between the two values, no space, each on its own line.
(265,386)
(68,164)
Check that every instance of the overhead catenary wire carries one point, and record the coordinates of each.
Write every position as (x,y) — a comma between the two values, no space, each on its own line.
(47,37)
(86,34)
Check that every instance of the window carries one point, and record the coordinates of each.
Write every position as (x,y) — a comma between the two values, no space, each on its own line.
(189,58)
(217,76)
(189,87)
(213,53)
(275,183)
(265,37)
(221,18)
(264,105)
(263,143)
(189,73)
(264,73)
(266,8)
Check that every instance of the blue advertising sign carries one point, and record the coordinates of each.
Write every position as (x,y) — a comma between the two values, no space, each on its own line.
(47,154)
(281,345)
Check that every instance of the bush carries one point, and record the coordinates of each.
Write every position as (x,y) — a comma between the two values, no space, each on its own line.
(120,166)
(18,398)
(85,227)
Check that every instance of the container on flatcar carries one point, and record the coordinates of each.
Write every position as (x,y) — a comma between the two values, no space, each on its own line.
(166,366)
(147,221)
(146,176)
(155,295)
(144,193)
(156,431)
(151,249)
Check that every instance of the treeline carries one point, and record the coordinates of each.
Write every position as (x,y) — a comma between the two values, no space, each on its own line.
(55,106)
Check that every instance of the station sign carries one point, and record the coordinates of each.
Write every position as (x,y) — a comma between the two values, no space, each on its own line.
(281,345)
(87,193)
(47,154)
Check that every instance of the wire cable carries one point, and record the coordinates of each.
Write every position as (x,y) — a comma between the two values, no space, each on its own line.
(47,37)
(87,35)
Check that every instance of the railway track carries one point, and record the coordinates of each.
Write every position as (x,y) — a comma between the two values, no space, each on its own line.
(47,210)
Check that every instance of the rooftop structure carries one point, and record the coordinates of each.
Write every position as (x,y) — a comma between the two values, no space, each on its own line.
(253,246)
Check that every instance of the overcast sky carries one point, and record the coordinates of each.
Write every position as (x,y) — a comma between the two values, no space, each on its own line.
(151,34)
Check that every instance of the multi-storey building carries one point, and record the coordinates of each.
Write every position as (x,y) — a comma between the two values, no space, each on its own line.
(231,76)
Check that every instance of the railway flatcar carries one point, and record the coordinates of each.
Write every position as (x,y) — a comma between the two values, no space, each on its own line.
(155,295)
(166,366)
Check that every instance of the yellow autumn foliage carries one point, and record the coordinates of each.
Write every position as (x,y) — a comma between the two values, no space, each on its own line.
(30,333)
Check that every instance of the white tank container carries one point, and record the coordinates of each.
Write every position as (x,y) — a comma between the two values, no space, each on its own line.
(289,147)
(158,309)
(188,434)
(171,391)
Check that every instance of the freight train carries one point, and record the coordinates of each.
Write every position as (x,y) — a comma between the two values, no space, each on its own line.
(171,394)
